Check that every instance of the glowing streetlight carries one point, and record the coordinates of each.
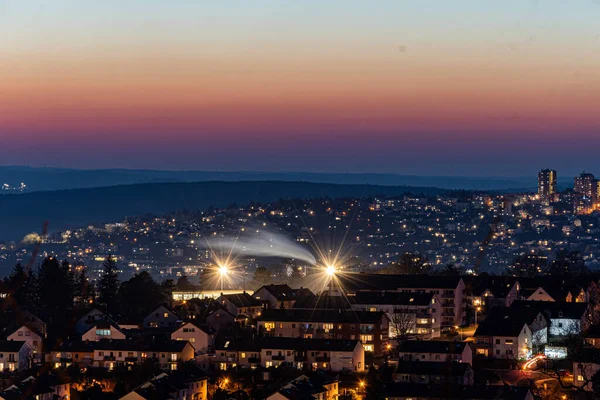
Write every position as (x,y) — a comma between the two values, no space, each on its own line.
(330,270)
(223,271)
(476,311)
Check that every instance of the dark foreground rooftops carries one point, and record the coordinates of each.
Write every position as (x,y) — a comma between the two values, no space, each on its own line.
(454,392)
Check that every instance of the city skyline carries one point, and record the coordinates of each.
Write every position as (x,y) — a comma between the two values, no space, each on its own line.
(456,89)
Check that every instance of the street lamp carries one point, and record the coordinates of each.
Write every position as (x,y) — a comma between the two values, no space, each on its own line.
(476,310)
(223,271)
(330,270)
(459,331)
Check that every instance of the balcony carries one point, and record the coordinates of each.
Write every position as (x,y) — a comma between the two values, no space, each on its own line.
(300,358)
(131,359)
(254,360)
(448,314)
(66,359)
(278,358)
(323,359)
(109,358)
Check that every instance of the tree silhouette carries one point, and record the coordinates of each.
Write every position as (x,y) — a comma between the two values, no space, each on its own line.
(140,295)
(262,276)
(56,294)
(84,289)
(22,286)
(108,286)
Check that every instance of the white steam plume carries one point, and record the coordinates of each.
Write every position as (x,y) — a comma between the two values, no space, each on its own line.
(262,243)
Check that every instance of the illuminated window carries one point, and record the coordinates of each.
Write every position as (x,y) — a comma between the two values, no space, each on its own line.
(369,347)
(269,364)
(269,326)
(366,338)
(166,315)
(373,309)
(243,355)
(580,378)
(103,332)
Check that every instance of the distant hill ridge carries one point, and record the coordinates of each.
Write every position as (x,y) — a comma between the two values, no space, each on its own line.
(39,179)
(21,214)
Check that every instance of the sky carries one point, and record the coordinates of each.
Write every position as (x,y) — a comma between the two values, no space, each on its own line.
(459,87)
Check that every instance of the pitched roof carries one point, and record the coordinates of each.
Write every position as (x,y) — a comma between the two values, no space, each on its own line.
(353,282)
(494,327)
(392,298)
(526,314)
(322,316)
(554,309)
(432,368)
(455,392)
(432,346)
(284,292)
(322,302)
(500,286)
(11,346)
(242,300)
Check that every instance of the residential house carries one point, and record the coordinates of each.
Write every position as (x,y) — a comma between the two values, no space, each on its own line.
(449,289)
(592,336)
(103,330)
(564,318)
(525,311)
(319,387)
(15,355)
(371,328)
(503,338)
(200,336)
(44,387)
(493,291)
(241,305)
(32,337)
(304,354)
(220,318)
(162,317)
(109,354)
(171,386)
(280,296)
(585,366)
(410,314)
(89,319)
(433,372)
(435,351)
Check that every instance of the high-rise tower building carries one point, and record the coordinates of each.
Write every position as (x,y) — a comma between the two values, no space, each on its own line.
(586,184)
(546,182)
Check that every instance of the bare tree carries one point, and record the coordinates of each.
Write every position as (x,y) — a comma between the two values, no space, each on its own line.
(402,322)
